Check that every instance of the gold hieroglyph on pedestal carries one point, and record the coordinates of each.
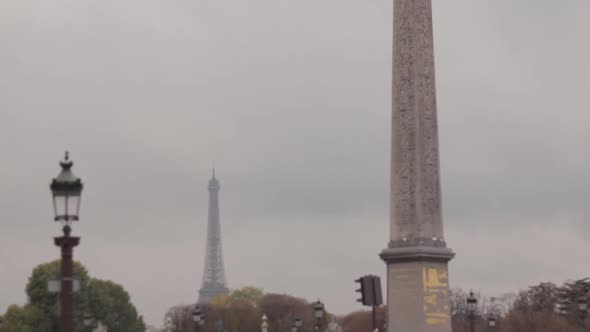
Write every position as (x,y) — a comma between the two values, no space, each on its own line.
(436,296)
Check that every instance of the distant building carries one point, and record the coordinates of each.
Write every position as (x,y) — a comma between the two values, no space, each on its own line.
(213,283)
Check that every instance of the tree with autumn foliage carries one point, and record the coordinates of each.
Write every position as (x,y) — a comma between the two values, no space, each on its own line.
(242,310)
(545,307)
(361,321)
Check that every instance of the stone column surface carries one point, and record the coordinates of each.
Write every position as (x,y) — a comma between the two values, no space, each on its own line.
(417,255)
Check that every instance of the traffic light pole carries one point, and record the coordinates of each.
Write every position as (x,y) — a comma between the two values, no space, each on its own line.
(375,319)
(370,291)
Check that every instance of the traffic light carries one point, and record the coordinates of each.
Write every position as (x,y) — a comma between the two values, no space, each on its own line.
(370,289)
(365,290)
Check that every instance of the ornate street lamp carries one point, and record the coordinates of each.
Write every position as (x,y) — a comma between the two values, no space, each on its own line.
(89,321)
(66,190)
(170,327)
(472,307)
(492,322)
(264,324)
(583,307)
(298,324)
(583,304)
(318,308)
(198,317)
(219,326)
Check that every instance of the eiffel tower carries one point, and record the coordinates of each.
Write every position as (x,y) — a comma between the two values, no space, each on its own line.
(213,283)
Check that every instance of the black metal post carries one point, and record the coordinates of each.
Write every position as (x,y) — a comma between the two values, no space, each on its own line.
(374,318)
(66,295)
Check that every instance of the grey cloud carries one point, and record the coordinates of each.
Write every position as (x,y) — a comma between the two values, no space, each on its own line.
(291,99)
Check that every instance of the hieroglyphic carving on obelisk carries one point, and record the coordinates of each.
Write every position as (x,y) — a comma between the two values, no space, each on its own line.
(417,255)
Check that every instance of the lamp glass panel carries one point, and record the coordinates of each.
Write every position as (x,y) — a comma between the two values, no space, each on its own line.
(73,205)
(59,205)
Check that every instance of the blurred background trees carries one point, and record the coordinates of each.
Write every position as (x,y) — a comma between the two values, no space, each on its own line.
(545,307)
(107,301)
(243,308)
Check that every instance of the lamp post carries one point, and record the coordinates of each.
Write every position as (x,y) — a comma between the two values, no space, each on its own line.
(169,325)
(264,324)
(90,322)
(219,326)
(298,324)
(492,323)
(198,317)
(583,307)
(471,307)
(318,308)
(66,190)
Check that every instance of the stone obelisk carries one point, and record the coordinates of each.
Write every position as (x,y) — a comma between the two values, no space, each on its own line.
(417,255)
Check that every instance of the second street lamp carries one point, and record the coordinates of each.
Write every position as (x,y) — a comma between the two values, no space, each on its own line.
(318,308)
(471,308)
(90,322)
(492,323)
(66,190)
(583,307)
(198,317)
(264,324)
(297,325)
(169,325)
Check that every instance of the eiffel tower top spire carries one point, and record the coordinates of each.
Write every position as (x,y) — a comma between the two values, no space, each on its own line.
(213,184)
(213,283)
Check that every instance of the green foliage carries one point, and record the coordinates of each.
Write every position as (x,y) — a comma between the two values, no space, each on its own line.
(110,303)
(107,301)
(27,318)
(45,303)
(248,294)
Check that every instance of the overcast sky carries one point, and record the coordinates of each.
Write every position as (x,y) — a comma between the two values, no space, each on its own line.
(291,99)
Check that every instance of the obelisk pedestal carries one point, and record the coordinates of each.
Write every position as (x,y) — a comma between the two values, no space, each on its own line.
(417,255)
